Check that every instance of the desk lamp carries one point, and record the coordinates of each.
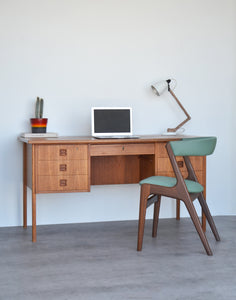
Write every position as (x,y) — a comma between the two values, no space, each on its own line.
(159,88)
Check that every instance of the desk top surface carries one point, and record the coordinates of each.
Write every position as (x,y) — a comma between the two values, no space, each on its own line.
(91,140)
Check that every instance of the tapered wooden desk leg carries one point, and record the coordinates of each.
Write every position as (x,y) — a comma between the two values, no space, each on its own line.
(34,237)
(204,193)
(33,197)
(177,209)
(24,185)
(25,206)
(203,216)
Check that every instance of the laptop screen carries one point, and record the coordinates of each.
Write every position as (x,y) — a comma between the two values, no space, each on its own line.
(108,121)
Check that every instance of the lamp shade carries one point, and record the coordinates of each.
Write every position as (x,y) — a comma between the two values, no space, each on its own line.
(160,87)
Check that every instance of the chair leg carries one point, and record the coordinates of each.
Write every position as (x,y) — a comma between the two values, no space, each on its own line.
(208,215)
(156,216)
(177,209)
(193,214)
(145,192)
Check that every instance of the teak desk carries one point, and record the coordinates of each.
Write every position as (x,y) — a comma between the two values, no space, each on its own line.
(72,164)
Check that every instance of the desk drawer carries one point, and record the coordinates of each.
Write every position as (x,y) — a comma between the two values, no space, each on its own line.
(199,174)
(65,183)
(62,152)
(67,167)
(164,164)
(121,149)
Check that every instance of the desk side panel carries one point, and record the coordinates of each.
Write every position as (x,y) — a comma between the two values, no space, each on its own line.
(147,166)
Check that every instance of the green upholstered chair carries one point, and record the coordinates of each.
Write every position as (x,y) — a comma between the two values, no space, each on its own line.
(177,187)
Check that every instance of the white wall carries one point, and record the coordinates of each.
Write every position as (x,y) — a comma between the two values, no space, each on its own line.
(80,53)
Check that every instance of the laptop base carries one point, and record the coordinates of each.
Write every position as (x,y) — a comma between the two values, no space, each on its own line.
(117,137)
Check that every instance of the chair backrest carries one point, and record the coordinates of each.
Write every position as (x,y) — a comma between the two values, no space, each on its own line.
(201,146)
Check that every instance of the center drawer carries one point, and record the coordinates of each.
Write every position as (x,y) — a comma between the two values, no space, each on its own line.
(121,149)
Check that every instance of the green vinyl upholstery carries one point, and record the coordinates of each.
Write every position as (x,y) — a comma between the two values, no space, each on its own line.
(194,146)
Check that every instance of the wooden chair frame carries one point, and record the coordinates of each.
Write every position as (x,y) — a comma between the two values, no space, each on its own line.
(151,194)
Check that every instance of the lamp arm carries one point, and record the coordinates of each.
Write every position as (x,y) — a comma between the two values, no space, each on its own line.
(183,109)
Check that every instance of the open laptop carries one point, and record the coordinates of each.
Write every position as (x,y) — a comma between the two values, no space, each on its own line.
(112,122)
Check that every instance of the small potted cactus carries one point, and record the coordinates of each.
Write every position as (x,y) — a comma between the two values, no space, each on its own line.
(39,124)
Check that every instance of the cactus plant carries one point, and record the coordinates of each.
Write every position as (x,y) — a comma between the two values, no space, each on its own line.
(39,108)
(39,124)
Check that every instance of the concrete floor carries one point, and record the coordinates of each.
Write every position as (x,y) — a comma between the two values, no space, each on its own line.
(99,261)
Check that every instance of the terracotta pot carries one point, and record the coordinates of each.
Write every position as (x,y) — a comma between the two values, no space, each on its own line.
(39,125)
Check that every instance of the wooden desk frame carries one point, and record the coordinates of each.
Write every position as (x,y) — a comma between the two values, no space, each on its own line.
(73,164)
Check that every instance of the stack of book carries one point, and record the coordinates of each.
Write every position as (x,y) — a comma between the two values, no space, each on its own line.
(39,135)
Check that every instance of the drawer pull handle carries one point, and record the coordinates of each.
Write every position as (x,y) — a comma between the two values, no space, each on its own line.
(63,182)
(63,167)
(63,152)
(180,164)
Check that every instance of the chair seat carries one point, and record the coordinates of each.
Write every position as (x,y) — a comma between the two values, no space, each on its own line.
(192,186)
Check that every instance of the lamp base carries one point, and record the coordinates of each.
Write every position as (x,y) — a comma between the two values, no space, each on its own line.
(180,131)
(168,133)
